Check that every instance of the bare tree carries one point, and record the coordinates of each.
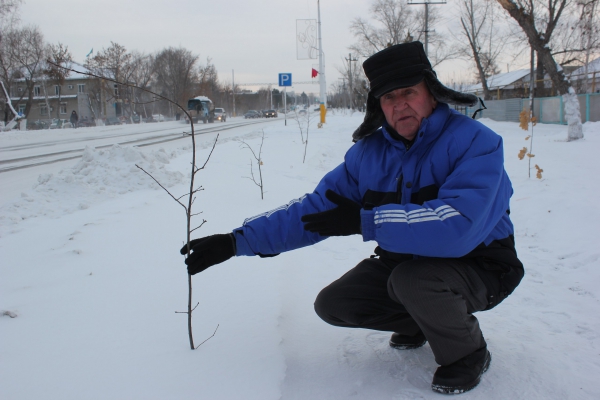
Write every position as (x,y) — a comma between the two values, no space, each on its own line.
(484,43)
(58,55)
(26,50)
(353,76)
(141,77)
(8,7)
(590,32)
(393,22)
(539,26)
(115,66)
(9,15)
(208,78)
(8,19)
(174,73)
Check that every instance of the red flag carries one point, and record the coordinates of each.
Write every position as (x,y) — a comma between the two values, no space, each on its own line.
(314,73)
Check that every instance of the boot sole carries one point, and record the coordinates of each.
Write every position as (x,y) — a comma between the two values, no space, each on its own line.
(399,346)
(464,388)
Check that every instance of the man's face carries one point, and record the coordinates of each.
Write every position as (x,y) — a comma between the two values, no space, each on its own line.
(405,108)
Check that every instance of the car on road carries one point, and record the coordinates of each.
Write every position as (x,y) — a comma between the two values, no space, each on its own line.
(37,125)
(252,114)
(220,114)
(60,124)
(270,114)
(113,121)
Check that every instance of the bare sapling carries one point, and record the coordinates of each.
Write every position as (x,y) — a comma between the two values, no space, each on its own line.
(258,158)
(186,200)
(528,121)
(301,119)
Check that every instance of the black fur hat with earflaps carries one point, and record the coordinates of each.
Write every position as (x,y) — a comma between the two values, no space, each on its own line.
(399,66)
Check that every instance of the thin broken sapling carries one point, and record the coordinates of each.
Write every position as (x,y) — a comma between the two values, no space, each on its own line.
(190,195)
(259,162)
(300,119)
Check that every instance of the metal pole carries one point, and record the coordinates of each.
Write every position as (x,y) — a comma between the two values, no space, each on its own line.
(285,104)
(531,84)
(321,68)
(233,90)
(350,78)
(427,29)
(426,3)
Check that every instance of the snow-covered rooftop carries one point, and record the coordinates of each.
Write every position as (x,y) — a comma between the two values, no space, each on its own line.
(500,81)
(593,66)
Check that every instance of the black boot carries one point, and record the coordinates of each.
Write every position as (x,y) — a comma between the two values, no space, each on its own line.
(404,342)
(462,375)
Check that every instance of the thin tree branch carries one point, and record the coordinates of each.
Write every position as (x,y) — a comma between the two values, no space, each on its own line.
(164,188)
(211,336)
(210,154)
(199,226)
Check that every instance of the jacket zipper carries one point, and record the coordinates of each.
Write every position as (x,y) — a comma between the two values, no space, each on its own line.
(399,189)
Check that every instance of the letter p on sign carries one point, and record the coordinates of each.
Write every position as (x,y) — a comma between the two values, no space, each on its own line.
(285,79)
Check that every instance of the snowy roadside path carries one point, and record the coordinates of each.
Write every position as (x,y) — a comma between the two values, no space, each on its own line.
(29,152)
(95,278)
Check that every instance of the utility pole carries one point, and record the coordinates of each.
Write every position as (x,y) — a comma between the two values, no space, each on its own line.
(427,3)
(350,78)
(233,90)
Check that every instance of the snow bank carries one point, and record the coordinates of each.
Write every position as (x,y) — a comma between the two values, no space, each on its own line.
(99,175)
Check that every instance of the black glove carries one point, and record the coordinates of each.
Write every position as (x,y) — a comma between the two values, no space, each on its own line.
(208,251)
(343,220)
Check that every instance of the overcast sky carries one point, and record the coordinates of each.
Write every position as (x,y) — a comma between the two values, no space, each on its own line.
(256,39)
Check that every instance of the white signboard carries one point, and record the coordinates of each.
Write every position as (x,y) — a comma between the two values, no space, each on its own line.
(306,39)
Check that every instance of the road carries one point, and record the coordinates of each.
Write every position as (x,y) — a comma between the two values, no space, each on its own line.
(45,151)
(24,156)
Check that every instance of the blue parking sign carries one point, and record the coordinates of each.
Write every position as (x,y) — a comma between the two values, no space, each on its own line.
(285,79)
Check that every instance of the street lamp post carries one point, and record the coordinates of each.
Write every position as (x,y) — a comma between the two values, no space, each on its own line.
(322,84)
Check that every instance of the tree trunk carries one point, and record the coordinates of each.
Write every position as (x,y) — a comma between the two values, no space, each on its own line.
(29,87)
(540,89)
(558,78)
(473,44)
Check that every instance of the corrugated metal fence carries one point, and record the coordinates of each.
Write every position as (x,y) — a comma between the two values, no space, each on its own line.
(548,110)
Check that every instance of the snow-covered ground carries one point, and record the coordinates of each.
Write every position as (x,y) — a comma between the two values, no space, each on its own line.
(90,271)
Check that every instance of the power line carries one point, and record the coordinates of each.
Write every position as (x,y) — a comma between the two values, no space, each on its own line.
(350,77)
(427,3)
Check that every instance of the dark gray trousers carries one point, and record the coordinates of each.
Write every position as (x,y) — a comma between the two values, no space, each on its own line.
(437,296)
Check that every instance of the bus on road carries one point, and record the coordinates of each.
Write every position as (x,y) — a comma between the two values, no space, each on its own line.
(201,108)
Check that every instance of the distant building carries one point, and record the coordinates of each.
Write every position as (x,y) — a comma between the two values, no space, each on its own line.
(82,93)
(515,84)
(589,83)
(509,85)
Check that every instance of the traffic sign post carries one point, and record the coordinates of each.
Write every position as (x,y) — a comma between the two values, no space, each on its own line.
(285,80)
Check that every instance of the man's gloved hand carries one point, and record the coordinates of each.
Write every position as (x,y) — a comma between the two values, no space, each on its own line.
(343,220)
(208,251)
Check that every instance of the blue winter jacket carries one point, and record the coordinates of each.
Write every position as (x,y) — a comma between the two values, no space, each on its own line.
(443,197)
